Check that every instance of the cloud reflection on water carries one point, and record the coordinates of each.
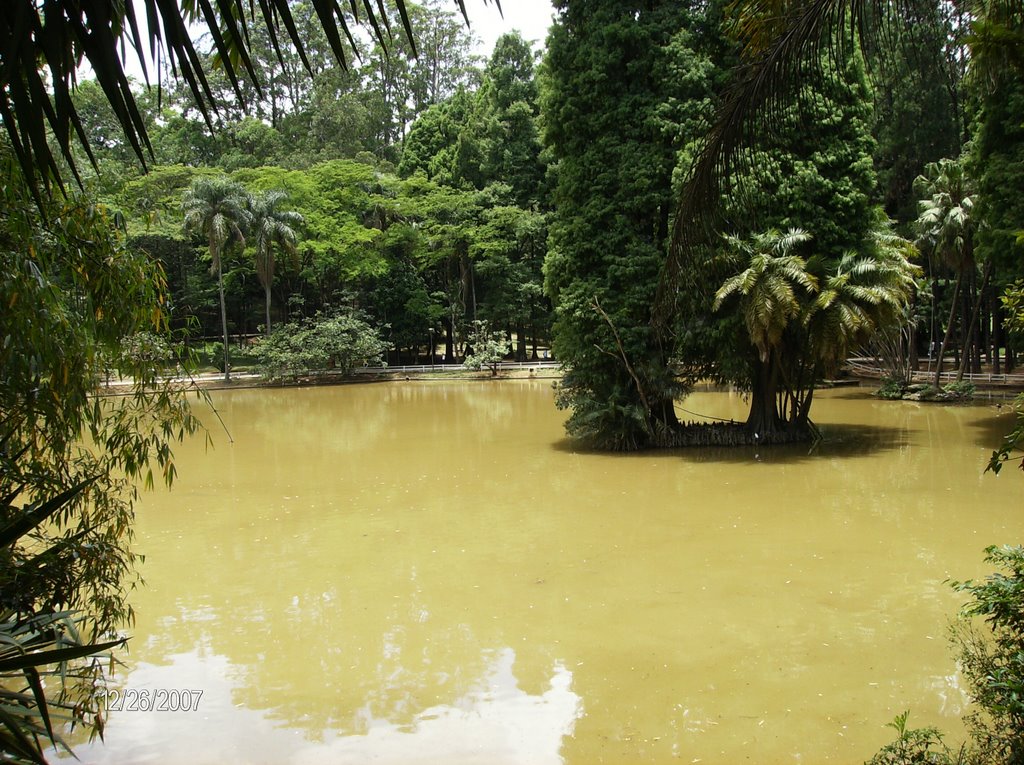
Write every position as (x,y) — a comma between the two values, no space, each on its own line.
(494,722)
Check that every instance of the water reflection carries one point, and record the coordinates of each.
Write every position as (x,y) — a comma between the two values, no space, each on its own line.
(493,721)
(422,570)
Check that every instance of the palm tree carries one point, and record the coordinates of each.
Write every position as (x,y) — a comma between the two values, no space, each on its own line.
(772,291)
(804,325)
(215,208)
(272,228)
(768,300)
(868,293)
(946,230)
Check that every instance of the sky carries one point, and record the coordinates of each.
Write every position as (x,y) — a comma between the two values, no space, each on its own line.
(530,17)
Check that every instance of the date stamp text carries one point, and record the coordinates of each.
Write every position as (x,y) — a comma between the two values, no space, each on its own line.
(149,699)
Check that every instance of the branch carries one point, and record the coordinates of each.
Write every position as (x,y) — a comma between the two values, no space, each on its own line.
(622,352)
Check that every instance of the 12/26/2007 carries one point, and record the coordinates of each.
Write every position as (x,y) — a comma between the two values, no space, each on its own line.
(149,699)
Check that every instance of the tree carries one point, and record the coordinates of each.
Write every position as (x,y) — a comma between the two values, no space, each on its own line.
(812,176)
(272,228)
(769,299)
(867,296)
(403,80)
(781,43)
(510,106)
(804,317)
(610,70)
(946,230)
(336,343)
(215,208)
(444,143)
(42,49)
(489,348)
(996,156)
(508,250)
(919,114)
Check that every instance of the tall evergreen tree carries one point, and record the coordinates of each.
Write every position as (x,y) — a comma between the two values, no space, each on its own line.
(919,112)
(510,107)
(611,70)
(998,165)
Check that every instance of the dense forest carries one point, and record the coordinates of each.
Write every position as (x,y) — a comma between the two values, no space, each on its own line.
(419,184)
(531,196)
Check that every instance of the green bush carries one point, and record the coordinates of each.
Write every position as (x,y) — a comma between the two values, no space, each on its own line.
(336,343)
(891,389)
(916,745)
(1013,442)
(214,355)
(961,389)
(993,662)
(489,348)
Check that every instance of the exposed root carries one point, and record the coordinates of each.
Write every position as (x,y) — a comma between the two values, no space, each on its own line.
(730,434)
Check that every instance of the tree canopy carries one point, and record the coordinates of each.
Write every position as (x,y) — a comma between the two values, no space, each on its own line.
(42,46)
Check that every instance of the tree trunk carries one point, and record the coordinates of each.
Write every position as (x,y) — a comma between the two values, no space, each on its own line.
(804,417)
(763,419)
(949,329)
(449,341)
(664,411)
(224,323)
(969,333)
(267,294)
(912,357)
(997,332)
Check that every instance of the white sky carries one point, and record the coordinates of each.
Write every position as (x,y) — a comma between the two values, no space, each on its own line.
(531,17)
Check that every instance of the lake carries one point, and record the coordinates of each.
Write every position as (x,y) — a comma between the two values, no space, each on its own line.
(430,572)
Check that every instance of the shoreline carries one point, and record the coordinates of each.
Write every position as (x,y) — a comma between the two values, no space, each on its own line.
(251,380)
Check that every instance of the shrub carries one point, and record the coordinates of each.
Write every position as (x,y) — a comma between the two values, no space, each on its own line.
(489,348)
(993,664)
(961,389)
(1012,442)
(892,389)
(337,343)
(916,745)
(215,351)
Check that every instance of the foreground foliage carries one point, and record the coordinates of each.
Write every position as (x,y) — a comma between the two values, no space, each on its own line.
(916,745)
(1013,442)
(42,680)
(72,292)
(992,663)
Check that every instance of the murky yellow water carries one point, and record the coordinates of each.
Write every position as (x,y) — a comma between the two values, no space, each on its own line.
(429,573)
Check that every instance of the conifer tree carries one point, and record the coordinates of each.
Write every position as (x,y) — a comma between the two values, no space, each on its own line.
(613,71)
